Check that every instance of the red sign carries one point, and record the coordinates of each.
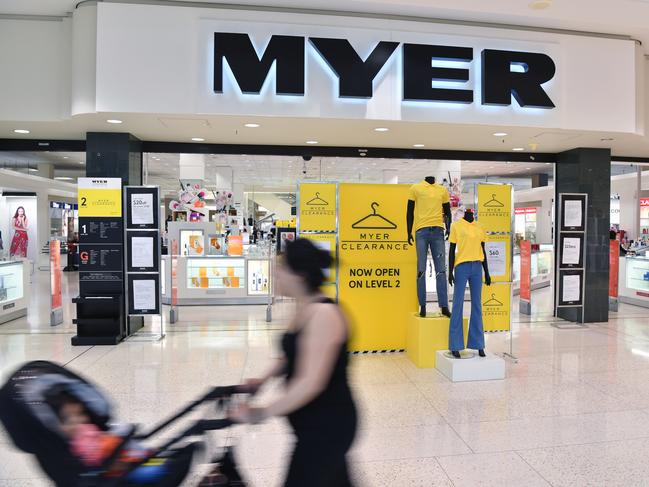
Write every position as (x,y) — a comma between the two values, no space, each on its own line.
(525,211)
(55,273)
(644,202)
(614,272)
(526,270)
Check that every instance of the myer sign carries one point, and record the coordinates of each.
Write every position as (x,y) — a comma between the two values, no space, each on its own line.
(504,74)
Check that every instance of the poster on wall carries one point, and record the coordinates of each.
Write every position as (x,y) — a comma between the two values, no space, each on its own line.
(18,226)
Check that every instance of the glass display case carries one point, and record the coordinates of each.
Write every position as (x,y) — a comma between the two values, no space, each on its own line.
(258,277)
(11,281)
(541,267)
(216,273)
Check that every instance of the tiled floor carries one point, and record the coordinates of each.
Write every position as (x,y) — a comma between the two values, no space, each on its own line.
(574,411)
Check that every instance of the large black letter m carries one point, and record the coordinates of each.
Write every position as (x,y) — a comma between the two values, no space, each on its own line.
(250,72)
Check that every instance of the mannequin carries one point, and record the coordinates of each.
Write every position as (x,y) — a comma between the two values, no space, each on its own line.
(429,211)
(468,238)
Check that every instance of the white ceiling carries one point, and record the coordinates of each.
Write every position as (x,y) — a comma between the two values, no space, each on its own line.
(621,17)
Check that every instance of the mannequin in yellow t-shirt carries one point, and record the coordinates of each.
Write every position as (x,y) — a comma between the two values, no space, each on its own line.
(467,260)
(429,210)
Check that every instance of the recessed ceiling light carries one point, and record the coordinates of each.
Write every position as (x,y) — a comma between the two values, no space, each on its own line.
(491,167)
(363,154)
(547,163)
(540,4)
(251,125)
(518,149)
(32,169)
(63,178)
(21,131)
(528,168)
(381,129)
(65,157)
(500,134)
(113,120)
(418,145)
(198,139)
(311,142)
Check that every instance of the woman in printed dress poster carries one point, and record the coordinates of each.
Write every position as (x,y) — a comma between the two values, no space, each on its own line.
(20,240)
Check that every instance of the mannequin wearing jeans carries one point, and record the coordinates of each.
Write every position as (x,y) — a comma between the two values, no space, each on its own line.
(429,210)
(468,238)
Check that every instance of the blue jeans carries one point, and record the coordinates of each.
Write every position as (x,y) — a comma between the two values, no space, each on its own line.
(432,237)
(470,272)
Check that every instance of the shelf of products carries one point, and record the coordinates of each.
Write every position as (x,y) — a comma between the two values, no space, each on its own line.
(216,273)
(258,277)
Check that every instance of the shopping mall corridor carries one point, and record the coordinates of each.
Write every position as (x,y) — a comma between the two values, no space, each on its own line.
(574,410)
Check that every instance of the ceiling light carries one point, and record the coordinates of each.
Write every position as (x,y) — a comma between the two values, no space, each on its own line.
(381,129)
(518,149)
(311,142)
(251,125)
(491,167)
(540,4)
(363,154)
(21,131)
(547,163)
(113,120)
(65,157)
(63,178)
(528,168)
(198,139)
(418,145)
(32,169)
(82,162)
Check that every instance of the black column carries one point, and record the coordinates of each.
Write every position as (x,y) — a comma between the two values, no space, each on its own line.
(114,155)
(588,171)
(539,180)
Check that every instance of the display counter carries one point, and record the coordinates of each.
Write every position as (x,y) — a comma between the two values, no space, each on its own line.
(634,280)
(214,280)
(541,268)
(14,290)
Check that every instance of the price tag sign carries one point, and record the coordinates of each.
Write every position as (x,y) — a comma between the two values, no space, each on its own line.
(498,253)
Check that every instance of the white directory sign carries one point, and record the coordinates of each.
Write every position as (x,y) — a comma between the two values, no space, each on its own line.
(496,255)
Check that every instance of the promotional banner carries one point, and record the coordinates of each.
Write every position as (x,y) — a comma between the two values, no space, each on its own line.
(378,269)
(495,207)
(56,310)
(614,274)
(526,277)
(317,210)
(498,250)
(496,305)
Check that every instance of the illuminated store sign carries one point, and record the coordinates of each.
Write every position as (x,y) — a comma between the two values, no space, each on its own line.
(503,73)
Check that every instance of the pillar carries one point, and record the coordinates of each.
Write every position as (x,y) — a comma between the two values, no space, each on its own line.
(588,171)
(539,180)
(114,155)
(46,170)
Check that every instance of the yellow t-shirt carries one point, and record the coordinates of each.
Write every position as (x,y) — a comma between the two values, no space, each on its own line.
(428,200)
(468,237)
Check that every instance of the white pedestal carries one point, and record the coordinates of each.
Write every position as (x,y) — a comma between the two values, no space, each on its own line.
(471,368)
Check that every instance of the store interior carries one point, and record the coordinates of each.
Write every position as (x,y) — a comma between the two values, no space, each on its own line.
(261,199)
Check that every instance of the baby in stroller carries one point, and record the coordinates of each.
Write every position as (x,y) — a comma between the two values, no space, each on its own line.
(65,422)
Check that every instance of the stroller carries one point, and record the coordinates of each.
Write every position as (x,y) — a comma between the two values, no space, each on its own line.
(28,412)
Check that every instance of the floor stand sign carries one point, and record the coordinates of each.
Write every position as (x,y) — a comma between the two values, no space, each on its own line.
(614,275)
(495,212)
(317,220)
(525,302)
(100,305)
(142,257)
(571,262)
(56,302)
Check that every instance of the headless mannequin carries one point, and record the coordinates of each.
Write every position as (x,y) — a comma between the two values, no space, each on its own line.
(468,216)
(410,220)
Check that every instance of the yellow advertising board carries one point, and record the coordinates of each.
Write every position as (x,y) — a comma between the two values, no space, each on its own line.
(317,211)
(496,305)
(499,250)
(495,207)
(101,197)
(326,241)
(377,281)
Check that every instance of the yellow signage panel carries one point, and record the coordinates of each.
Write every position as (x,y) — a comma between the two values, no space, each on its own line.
(317,210)
(499,250)
(101,197)
(496,305)
(495,207)
(326,241)
(377,280)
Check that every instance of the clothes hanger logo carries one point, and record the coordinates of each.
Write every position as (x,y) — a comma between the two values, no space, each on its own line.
(374,221)
(493,302)
(493,203)
(317,201)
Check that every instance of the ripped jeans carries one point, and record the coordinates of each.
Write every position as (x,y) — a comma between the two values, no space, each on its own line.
(432,237)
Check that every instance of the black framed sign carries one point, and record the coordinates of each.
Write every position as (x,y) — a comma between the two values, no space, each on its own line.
(142,207)
(144,294)
(573,212)
(143,254)
(571,285)
(571,250)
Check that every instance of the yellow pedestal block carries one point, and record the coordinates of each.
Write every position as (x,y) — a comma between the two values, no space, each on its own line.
(428,335)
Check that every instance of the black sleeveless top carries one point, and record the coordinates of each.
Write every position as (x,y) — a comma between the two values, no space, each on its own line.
(334,407)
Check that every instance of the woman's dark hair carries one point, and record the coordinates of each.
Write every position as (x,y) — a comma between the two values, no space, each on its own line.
(20,208)
(304,258)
